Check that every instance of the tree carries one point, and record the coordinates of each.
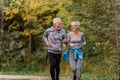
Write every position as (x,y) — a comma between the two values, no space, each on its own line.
(25,22)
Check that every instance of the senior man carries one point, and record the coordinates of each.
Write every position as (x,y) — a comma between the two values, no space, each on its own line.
(54,37)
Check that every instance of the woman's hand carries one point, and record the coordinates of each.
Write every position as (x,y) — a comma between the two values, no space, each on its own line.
(71,45)
(84,43)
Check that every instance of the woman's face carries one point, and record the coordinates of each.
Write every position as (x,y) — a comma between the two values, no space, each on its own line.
(74,28)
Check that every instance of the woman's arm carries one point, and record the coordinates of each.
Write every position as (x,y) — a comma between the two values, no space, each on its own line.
(83,40)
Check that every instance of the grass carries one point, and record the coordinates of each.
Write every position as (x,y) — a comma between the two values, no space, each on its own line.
(32,73)
(25,73)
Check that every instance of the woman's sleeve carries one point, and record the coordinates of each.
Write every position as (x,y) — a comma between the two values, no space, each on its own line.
(83,38)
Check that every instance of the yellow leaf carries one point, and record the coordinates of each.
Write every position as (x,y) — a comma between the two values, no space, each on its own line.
(26,33)
(15,10)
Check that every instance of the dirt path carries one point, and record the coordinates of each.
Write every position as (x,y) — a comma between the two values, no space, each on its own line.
(22,77)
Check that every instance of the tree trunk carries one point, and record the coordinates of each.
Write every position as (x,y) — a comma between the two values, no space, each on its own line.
(29,45)
(2,25)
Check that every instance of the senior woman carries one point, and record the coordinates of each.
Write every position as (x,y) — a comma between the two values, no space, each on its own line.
(76,40)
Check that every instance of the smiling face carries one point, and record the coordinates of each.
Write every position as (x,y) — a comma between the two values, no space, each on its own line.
(74,28)
(57,23)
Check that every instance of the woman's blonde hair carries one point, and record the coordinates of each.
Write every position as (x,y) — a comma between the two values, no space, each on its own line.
(75,23)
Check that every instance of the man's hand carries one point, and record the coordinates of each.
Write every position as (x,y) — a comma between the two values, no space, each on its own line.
(47,44)
(64,41)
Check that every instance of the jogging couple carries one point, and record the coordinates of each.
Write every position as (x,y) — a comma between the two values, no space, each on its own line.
(54,38)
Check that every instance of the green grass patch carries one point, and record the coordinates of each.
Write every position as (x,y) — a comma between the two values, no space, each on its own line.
(25,73)
(33,73)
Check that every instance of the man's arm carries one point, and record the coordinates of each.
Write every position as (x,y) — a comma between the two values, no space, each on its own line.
(45,38)
(64,38)
(83,40)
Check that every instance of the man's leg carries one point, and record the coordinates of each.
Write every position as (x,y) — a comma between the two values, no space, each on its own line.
(57,63)
(52,65)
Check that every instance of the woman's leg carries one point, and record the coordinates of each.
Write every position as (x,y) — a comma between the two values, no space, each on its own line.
(79,69)
(73,64)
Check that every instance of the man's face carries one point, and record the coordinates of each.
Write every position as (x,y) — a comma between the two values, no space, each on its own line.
(58,24)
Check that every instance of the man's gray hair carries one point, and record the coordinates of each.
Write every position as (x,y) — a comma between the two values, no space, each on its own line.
(56,20)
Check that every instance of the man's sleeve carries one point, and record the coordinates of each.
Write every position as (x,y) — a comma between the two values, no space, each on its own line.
(68,38)
(45,36)
(64,35)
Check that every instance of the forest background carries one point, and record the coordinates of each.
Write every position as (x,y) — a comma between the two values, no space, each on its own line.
(22,50)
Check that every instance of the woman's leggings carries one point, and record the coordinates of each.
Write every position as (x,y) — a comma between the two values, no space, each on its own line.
(54,65)
(76,65)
